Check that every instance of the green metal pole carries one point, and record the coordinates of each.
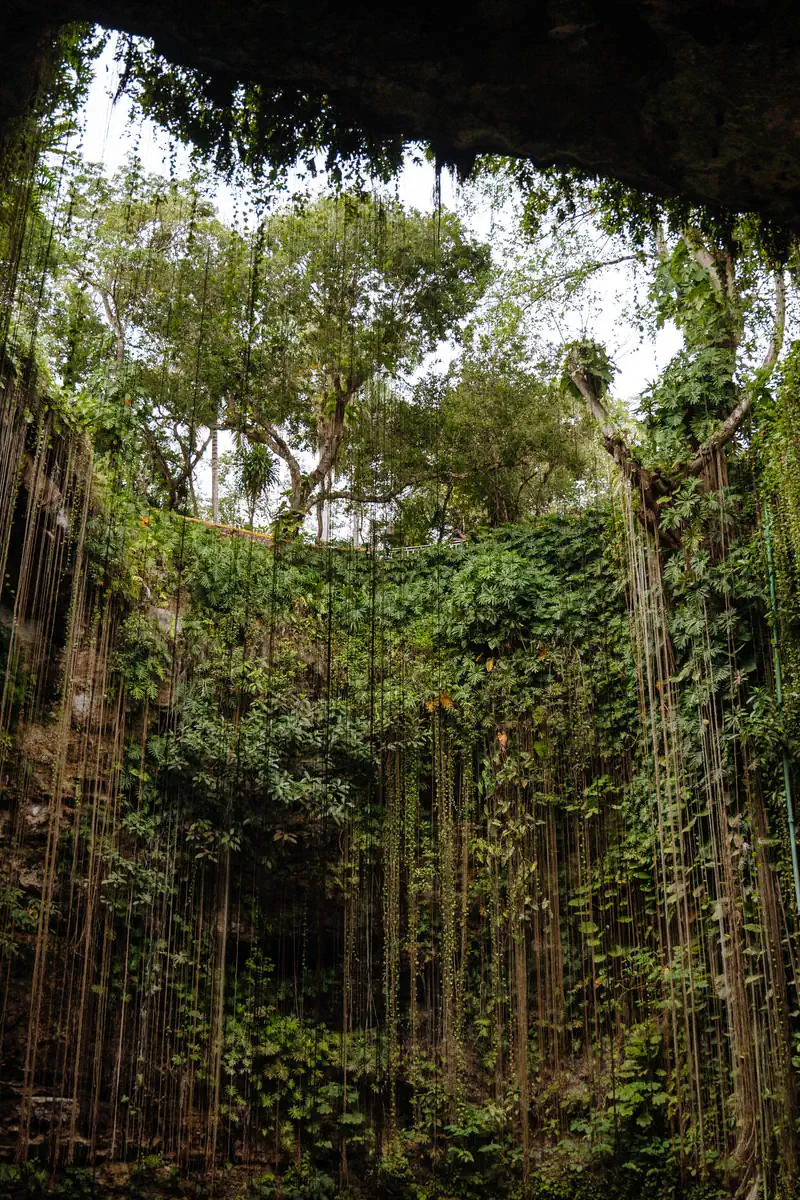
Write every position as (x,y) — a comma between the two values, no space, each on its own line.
(776,658)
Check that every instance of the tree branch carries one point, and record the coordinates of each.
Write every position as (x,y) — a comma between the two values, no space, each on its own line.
(594,267)
(267,435)
(705,259)
(778,324)
(111,312)
(161,463)
(367,497)
(662,249)
(729,427)
(649,483)
(613,437)
(332,432)
(200,452)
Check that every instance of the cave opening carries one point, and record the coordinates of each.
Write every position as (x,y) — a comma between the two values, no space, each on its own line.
(399,594)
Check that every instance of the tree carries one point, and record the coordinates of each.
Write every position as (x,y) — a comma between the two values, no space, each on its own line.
(509,448)
(146,321)
(702,401)
(485,443)
(173,326)
(721,279)
(347,292)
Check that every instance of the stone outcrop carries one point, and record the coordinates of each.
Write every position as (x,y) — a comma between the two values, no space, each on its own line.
(693,96)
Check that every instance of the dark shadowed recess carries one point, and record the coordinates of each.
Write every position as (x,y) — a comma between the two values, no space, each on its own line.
(694,96)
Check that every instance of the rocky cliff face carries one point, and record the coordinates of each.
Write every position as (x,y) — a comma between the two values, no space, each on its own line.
(277,889)
(670,95)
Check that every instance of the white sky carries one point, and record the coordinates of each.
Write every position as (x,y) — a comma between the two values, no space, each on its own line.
(111,134)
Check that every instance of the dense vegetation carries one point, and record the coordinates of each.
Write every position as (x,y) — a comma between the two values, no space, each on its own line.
(444,846)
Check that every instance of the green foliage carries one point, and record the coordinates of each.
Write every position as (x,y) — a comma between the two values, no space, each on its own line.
(258,472)
(502,445)
(142,658)
(445,874)
(166,324)
(265,131)
(145,365)
(349,292)
(622,209)
(594,362)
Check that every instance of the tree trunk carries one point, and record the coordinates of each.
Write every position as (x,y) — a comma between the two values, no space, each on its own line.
(221,916)
(326,510)
(193,495)
(214,475)
(357,526)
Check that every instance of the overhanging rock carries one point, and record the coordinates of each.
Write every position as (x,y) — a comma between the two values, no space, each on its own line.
(700,96)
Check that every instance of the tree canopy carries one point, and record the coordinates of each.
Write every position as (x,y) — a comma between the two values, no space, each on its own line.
(346,292)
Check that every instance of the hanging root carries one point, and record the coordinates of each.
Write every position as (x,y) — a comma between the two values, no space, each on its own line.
(750,1188)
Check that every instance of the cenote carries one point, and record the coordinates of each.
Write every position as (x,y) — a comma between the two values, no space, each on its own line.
(399,624)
